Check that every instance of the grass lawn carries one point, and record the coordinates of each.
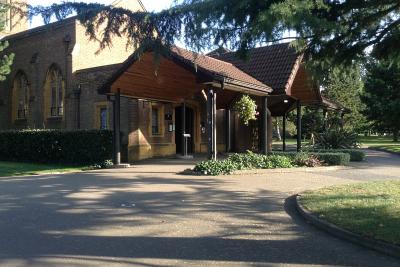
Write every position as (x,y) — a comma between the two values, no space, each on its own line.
(370,209)
(18,168)
(377,141)
(390,148)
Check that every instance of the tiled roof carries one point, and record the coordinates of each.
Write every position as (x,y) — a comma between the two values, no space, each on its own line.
(272,65)
(333,104)
(216,67)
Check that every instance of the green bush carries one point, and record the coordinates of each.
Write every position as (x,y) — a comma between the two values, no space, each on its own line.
(334,158)
(336,139)
(243,162)
(57,146)
(276,161)
(356,155)
(308,158)
(215,167)
(251,160)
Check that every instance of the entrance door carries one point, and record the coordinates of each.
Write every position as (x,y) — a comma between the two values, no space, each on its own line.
(189,129)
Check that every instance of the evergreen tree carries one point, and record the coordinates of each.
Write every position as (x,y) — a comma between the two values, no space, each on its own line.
(382,96)
(345,86)
(6,60)
(330,31)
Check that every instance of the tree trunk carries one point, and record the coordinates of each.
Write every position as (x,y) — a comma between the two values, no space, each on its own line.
(396,135)
(278,130)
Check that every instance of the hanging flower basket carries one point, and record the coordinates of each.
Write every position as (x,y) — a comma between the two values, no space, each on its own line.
(247,109)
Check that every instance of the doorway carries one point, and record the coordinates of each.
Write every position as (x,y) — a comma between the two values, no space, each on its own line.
(189,129)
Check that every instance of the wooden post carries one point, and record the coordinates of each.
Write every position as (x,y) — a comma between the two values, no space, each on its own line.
(228,130)
(265,115)
(298,126)
(341,120)
(325,115)
(211,124)
(117,128)
(284,132)
(183,131)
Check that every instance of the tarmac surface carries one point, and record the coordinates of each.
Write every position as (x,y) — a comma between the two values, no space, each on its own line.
(150,216)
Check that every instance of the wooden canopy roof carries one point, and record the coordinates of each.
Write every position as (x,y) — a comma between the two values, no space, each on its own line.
(180,74)
(282,68)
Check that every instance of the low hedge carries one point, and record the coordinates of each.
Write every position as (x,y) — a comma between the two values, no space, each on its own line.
(276,160)
(332,159)
(356,155)
(246,161)
(57,146)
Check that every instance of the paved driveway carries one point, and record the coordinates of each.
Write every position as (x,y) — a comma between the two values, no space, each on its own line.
(149,216)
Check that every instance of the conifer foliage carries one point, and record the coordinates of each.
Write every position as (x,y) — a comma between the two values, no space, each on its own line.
(331,31)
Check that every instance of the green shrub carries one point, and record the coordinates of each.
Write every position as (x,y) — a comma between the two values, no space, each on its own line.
(215,167)
(248,160)
(336,139)
(308,158)
(242,162)
(334,159)
(356,155)
(277,161)
(57,146)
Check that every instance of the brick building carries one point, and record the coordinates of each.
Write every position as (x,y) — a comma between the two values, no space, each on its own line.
(59,81)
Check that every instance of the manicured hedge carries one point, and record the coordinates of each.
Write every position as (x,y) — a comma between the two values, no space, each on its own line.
(329,158)
(251,160)
(246,161)
(356,155)
(334,158)
(56,146)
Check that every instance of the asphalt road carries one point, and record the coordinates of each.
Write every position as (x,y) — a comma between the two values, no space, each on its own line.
(150,216)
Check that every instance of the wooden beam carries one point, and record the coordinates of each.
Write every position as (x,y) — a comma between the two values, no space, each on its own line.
(264,134)
(298,126)
(117,128)
(211,123)
(183,131)
(284,132)
(228,134)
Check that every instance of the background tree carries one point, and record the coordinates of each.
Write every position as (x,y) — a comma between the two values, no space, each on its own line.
(382,96)
(6,59)
(329,31)
(345,86)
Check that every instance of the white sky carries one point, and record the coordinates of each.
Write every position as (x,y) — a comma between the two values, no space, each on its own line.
(151,5)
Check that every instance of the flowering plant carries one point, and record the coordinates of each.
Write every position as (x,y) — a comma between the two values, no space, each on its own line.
(247,109)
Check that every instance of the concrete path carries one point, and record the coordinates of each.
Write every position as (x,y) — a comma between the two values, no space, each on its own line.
(149,216)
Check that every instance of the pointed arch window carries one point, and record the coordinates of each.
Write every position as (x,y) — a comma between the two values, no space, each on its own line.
(56,93)
(21,97)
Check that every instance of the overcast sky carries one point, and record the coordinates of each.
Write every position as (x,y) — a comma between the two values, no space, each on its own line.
(151,5)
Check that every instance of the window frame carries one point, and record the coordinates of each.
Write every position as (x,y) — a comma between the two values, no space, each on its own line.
(56,87)
(160,110)
(98,107)
(20,97)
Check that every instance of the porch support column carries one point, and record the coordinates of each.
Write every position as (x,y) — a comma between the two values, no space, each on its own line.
(228,130)
(284,132)
(265,129)
(183,118)
(341,120)
(325,115)
(298,126)
(117,128)
(211,121)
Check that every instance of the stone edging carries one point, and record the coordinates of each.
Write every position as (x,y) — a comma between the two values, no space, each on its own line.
(332,229)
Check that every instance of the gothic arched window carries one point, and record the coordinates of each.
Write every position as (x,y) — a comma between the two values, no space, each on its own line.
(20,97)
